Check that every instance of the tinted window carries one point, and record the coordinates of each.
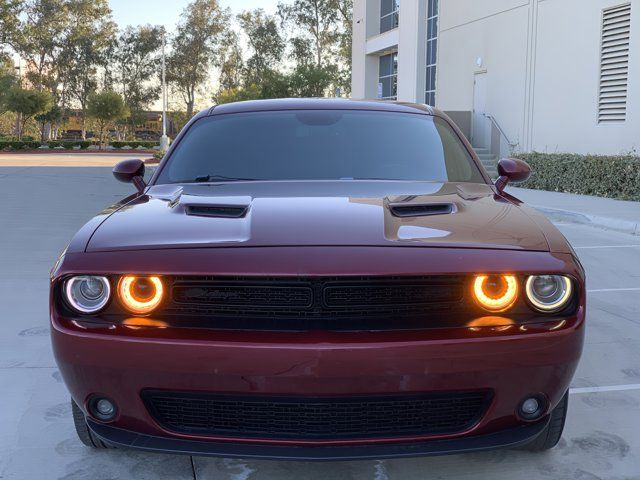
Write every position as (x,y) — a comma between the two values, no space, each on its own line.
(320,145)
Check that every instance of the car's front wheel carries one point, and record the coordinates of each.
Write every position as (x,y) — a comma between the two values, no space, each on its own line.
(85,434)
(550,436)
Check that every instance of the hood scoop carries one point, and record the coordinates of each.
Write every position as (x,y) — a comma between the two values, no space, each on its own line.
(215,207)
(217,211)
(404,210)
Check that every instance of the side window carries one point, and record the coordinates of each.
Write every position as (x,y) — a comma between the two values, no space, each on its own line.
(459,164)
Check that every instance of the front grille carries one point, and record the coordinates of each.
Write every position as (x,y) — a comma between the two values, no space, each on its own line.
(387,293)
(303,303)
(316,417)
(237,295)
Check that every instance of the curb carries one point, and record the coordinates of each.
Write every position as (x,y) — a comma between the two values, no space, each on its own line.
(609,223)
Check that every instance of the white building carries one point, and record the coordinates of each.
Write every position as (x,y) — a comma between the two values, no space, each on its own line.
(520,75)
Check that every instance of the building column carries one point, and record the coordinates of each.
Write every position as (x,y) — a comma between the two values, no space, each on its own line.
(412,48)
(364,72)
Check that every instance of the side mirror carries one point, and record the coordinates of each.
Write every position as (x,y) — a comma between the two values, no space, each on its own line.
(131,171)
(512,170)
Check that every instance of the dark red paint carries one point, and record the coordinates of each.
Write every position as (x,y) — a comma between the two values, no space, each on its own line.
(512,170)
(319,229)
(131,171)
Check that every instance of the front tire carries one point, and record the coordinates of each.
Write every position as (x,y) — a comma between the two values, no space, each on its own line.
(86,436)
(550,436)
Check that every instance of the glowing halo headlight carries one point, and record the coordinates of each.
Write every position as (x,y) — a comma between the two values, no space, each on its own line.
(87,293)
(495,293)
(140,294)
(549,293)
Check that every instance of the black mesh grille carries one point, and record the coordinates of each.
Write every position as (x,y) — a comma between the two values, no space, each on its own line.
(316,417)
(401,294)
(238,295)
(316,302)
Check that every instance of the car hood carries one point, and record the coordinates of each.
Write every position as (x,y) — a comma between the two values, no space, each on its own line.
(344,213)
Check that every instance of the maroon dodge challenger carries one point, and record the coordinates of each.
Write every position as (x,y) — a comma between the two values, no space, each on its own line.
(318,279)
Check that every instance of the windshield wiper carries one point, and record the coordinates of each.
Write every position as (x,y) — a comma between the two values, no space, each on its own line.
(220,178)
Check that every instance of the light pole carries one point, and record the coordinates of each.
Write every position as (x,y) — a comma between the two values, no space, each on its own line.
(164,140)
(18,115)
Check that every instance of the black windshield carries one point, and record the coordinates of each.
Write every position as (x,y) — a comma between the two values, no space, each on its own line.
(320,145)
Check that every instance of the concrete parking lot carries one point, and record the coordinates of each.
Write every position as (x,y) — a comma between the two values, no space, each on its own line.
(41,208)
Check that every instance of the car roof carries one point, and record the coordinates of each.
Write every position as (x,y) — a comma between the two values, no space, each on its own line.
(320,104)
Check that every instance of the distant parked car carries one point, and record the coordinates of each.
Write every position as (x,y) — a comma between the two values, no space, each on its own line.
(71,135)
(318,279)
(147,135)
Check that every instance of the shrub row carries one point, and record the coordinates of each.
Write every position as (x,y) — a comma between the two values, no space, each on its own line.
(18,145)
(133,144)
(603,176)
(68,144)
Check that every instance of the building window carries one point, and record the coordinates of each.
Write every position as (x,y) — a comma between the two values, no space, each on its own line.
(389,11)
(388,77)
(432,51)
(614,64)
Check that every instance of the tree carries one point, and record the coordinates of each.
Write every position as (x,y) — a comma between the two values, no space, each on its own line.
(345,42)
(86,48)
(28,103)
(315,23)
(194,48)
(39,38)
(54,115)
(238,94)
(7,81)
(310,80)
(231,62)
(9,20)
(58,40)
(106,108)
(266,43)
(133,68)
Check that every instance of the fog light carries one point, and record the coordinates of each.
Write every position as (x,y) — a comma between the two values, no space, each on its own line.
(531,408)
(102,408)
(106,408)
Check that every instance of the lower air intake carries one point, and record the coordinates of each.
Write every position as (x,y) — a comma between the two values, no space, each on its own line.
(316,417)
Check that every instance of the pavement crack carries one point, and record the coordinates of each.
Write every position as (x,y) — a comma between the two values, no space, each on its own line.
(193,468)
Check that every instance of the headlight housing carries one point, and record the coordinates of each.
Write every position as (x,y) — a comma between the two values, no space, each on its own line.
(140,294)
(549,293)
(87,293)
(495,293)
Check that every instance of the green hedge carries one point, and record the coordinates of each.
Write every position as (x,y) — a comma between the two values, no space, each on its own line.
(15,145)
(68,144)
(133,144)
(603,176)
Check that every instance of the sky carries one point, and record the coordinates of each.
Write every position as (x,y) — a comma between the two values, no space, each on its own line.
(166,12)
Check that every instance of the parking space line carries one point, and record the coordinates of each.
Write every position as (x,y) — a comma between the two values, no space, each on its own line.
(594,247)
(600,290)
(611,388)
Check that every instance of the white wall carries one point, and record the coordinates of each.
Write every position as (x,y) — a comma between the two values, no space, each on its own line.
(566,80)
(359,55)
(542,60)
(368,44)
(412,51)
(499,38)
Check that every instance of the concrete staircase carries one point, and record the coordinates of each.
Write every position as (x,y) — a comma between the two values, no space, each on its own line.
(489,161)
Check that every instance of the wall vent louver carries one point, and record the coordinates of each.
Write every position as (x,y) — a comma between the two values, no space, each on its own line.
(614,64)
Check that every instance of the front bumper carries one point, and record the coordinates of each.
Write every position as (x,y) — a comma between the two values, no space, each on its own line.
(120,362)
(510,438)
